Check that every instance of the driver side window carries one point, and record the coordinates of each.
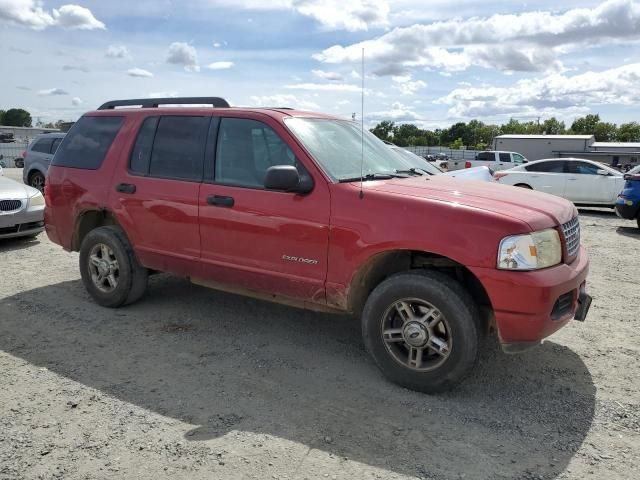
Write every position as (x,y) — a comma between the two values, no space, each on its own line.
(246,149)
(584,168)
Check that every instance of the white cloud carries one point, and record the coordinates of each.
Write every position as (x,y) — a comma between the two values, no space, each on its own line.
(77,17)
(405,85)
(163,94)
(29,13)
(117,51)
(397,113)
(331,76)
(284,100)
(220,65)
(75,68)
(76,101)
(139,72)
(555,92)
(352,15)
(530,41)
(181,53)
(52,92)
(335,87)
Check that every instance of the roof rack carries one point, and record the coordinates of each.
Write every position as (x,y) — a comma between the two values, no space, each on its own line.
(215,102)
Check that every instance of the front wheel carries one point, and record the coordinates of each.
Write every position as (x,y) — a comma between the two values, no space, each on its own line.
(109,268)
(422,330)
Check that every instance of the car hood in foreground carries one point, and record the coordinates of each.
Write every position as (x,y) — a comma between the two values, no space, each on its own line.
(539,210)
(475,173)
(10,189)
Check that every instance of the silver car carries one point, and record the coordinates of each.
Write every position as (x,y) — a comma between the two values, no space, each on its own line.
(38,157)
(21,209)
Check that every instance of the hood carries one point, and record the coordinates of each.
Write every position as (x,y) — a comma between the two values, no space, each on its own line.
(12,190)
(539,210)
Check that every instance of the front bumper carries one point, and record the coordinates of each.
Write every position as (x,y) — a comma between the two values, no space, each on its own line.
(25,222)
(628,209)
(529,306)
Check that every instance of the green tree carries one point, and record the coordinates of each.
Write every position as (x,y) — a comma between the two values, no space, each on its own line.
(513,127)
(457,144)
(384,130)
(1,117)
(629,132)
(16,117)
(59,124)
(552,126)
(585,125)
(605,132)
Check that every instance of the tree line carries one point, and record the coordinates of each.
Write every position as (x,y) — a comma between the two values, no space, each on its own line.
(18,117)
(478,135)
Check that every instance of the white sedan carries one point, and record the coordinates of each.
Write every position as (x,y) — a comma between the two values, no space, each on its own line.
(584,182)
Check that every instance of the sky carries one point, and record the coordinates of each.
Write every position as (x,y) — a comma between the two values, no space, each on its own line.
(428,63)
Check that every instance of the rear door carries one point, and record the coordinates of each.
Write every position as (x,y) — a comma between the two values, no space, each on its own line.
(503,161)
(39,155)
(260,239)
(155,192)
(550,176)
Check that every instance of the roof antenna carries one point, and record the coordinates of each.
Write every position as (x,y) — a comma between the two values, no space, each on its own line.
(362,132)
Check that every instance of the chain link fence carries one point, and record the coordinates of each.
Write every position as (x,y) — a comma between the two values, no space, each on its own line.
(10,152)
(462,154)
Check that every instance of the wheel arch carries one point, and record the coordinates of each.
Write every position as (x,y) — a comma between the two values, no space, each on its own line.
(384,264)
(90,220)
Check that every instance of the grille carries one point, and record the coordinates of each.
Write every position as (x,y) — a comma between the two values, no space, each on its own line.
(571,231)
(10,205)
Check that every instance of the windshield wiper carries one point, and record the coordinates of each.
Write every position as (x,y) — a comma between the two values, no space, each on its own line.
(411,171)
(373,176)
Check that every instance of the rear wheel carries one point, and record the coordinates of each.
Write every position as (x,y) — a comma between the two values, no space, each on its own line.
(422,330)
(523,185)
(109,268)
(36,180)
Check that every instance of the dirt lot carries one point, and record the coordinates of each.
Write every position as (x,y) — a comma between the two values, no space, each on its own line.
(193,383)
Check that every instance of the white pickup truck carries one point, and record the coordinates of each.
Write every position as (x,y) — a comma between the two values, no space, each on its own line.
(495,160)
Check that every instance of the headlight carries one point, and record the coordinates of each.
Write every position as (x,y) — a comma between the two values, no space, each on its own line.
(531,251)
(37,200)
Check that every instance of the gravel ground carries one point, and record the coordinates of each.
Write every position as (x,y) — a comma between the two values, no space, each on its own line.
(198,384)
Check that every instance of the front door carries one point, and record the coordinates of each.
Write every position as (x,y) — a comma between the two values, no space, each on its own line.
(584,185)
(255,238)
(156,194)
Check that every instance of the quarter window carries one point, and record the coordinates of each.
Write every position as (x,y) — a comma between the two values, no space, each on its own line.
(43,145)
(87,143)
(178,147)
(246,149)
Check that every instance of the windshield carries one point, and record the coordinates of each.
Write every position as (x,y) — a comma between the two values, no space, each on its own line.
(415,161)
(337,146)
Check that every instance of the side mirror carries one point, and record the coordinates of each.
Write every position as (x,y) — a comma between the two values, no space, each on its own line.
(602,172)
(286,178)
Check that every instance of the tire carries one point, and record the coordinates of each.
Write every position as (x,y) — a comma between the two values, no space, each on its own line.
(523,185)
(19,162)
(36,180)
(130,277)
(460,330)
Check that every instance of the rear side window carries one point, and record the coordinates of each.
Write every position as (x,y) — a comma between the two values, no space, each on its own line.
(178,148)
(87,143)
(549,167)
(485,156)
(141,153)
(43,145)
(505,157)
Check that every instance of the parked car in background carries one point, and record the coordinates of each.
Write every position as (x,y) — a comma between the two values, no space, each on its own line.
(309,210)
(482,174)
(21,209)
(584,182)
(628,202)
(495,160)
(37,158)
(440,160)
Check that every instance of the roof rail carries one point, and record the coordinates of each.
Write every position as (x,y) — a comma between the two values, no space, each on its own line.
(215,102)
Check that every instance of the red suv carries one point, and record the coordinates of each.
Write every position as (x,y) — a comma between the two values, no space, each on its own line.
(306,209)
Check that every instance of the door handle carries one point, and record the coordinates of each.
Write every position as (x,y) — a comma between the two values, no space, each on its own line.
(126,188)
(220,201)
(572,179)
